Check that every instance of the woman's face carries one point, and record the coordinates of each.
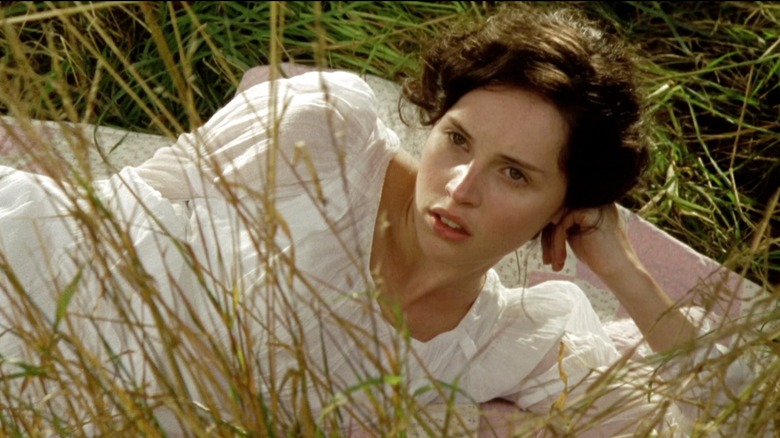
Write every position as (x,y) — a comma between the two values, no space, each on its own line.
(489,178)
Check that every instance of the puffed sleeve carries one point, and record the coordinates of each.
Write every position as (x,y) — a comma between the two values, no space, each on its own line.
(524,337)
(580,384)
(534,330)
(546,353)
(287,132)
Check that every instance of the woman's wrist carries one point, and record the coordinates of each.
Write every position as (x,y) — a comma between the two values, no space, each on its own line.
(621,275)
(651,308)
(623,264)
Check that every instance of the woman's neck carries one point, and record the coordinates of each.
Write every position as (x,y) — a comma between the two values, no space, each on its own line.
(433,297)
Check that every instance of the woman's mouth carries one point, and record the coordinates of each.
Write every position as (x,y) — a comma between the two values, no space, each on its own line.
(450,223)
(449,227)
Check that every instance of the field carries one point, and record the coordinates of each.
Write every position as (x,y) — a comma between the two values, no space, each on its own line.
(710,70)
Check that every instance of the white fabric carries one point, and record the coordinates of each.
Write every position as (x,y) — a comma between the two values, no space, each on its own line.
(208,198)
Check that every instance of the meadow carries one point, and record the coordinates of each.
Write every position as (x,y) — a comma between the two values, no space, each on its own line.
(711,71)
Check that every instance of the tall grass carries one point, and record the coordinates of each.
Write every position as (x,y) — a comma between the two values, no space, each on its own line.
(710,70)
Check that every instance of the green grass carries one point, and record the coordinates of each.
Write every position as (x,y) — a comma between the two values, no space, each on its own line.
(711,69)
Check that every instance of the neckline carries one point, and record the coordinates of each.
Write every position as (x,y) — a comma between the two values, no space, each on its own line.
(372,285)
(448,335)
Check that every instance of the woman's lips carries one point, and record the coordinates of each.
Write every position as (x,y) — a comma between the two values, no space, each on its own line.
(449,226)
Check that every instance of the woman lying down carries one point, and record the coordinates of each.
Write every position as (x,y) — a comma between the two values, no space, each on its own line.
(288,268)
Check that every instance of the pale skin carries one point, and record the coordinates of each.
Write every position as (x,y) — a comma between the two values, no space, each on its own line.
(489,180)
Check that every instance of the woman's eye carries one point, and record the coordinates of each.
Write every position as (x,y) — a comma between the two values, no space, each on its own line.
(515,174)
(457,139)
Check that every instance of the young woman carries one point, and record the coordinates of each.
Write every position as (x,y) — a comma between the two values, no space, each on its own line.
(289,255)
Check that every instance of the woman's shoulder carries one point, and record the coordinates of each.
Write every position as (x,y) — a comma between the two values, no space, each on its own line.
(545,312)
(314,98)
(542,302)
(335,87)
(520,328)
(552,312)
(320,107)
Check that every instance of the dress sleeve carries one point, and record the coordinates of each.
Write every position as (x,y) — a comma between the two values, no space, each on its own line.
(286,133)
(546,353)
(584,387)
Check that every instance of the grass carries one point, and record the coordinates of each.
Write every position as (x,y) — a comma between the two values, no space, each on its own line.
(710,70)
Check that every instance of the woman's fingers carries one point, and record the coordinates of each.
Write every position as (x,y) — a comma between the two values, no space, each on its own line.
(547,243)
(554,243)
(559,237)
(555,236)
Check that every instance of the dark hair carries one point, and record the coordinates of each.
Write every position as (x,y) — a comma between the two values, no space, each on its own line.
(587,73)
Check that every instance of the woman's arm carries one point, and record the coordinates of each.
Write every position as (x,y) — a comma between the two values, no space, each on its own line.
(598,238)
(319,118)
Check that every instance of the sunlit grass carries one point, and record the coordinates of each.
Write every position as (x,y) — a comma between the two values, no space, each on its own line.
(710,70)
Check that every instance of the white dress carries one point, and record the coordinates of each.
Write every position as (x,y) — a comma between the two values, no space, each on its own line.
(261,291)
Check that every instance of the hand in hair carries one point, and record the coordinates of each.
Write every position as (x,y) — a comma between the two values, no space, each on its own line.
(599,239)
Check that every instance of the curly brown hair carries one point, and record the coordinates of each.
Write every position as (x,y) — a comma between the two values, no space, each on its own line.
(559,53)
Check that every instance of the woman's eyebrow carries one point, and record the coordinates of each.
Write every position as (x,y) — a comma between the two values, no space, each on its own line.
(463,131)
(512,160)
(522,164)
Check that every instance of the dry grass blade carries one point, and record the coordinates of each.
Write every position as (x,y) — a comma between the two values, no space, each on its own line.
(710,70)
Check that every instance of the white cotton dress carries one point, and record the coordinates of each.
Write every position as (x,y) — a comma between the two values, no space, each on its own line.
(246,245)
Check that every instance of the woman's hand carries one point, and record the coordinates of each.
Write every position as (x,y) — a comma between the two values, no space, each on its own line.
(598,238)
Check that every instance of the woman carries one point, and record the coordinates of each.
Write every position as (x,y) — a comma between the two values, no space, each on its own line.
(289,257)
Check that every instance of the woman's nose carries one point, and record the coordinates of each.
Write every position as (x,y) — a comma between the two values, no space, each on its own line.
(463,185)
